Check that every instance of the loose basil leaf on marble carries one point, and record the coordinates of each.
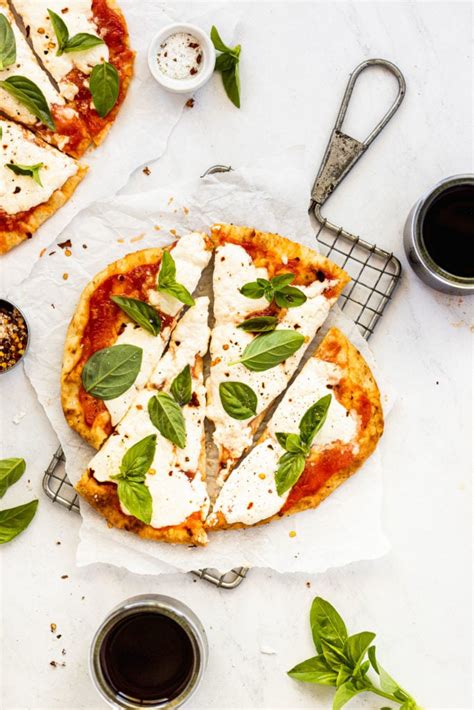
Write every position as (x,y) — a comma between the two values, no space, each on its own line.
(140,312)
(137,459)
(111,371)
(104,85)
(168,418)
(167,281)
(29,170)
(218,42)
(289,297)
(11,470)
(238,400)
(136,498)
(14,520)
(225,62)
(290,468)
(228,64)
(7,44)
(270,349)
(31,96)
(231,81)
(314,418)
(182,387)
(259,324)
(81,42)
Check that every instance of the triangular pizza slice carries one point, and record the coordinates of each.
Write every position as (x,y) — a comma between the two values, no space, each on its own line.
(271,295)
(35,181)
(149,478)
(325,427)
(23,79)
(121,328)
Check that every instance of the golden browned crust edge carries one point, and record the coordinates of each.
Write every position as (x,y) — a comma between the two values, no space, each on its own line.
(71,381)
(39,214)
(336,348)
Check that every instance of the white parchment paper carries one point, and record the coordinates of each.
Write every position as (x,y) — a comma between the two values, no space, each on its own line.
(139,135)
(346,527)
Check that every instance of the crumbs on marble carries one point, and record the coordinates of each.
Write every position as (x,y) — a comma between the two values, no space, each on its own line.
(146,170)
(138,238)
(170,200)
(66,244)
(57,664)
(18,417)
(308,584)
(157,227)
(267,651)
(53,627)
(292,533)
(190,103)
(42,252)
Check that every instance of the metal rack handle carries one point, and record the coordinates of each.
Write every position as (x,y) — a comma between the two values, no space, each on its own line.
(343,151)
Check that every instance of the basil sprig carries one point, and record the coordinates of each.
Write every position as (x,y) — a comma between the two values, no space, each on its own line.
(268,350)
(168,418)
(167,281)
(132,491)
(140,312)
(77,43)
(259,324)
(29,170)
(182,387)
(11,470)
(7,44)
(228,65)
(341,661)
(298,446)
(14,520)
(278,289)
(111,371)
(238,399)
(30,95)
(104,85)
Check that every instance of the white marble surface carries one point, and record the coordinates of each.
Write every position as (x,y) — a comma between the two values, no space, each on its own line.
(295,62)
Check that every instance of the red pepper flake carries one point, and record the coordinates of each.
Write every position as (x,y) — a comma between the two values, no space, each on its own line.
(190,103)
(146,170)
(66,244)
(64,576)
(250,506)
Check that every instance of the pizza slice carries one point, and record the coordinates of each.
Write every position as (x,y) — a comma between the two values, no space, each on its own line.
(120,329)
(271,295)
(326,426)
(28,96)
(84,45)
(35,181)
(149,478)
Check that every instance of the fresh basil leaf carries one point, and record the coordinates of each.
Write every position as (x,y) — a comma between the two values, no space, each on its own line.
(179,292)
(326,624)
(270,349)
(140,312)
(344,693)
(182,387)
(343,675)
(81,42)
(218,43)
(104,85)
(14,520)
(7,44)
(238,399)
(11,470)
(314,418)
(281,438)
(254,289)
(167,281)
(291,443)
(290,468)
(111,371)
(387,683)
(333,654)
(138,459)
(282,280)
(60,30)
(168,418)
(167,273)
(314,670)
(30,95)
(363,668)
(289,297)
(259,324)
(29,170)
(373,659)
(136,498)
(225,62)
(231,81)
(356,646)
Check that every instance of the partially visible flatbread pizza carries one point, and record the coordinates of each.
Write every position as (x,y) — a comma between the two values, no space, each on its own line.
(326,426)
(164,498)
(35,181)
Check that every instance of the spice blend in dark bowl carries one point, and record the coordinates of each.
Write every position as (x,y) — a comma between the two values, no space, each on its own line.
(14,336)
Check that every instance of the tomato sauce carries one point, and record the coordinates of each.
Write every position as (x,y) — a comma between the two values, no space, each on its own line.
(74,129)
(16,222)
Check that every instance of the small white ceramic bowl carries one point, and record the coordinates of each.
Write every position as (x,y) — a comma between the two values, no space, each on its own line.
(183,86)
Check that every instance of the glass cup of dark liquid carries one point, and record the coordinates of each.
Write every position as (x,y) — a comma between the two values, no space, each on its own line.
(439,236)
(150,652)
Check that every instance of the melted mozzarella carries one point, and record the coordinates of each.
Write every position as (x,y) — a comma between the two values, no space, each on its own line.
(174,480)
(249,495)
(25,65)
(78,16)
(20,192)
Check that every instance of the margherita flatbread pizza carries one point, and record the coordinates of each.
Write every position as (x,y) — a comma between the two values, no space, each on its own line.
(139,324)
(35,181)
(326,426)
(266,288)
(167,498)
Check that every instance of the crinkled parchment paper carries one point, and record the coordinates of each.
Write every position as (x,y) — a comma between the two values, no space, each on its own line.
(346,527)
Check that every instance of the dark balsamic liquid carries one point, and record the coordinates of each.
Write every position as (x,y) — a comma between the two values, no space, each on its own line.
(448,230)
(147,657)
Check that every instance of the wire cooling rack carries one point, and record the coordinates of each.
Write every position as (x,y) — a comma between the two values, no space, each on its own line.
(375,274)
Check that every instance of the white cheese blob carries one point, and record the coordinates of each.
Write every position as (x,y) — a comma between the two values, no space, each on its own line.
(234,268)
(20,192)
(25,65)
(78,16)
(249,495)
(174,479)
